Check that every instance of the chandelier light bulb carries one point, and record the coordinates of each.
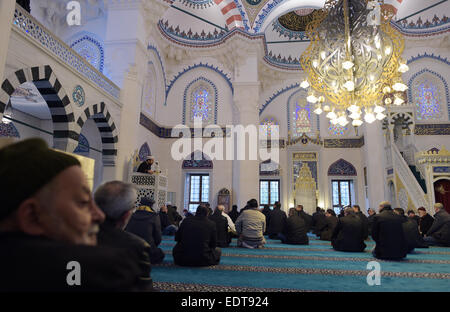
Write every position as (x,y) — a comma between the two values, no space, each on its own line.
(349,85)
(403,68)
(342,121)
(355,115)
(398,101)
(321,99)
(369,117)
(305,84)
(388,101)
(386,90)
(326,108)
(357,123)
(311,98)
(323,55)
(315,63)
(331,115)
(353,108)
(387,50)
(379,109)
(334,121)
(318,110)
(347,65)
(380,116)
(399,87)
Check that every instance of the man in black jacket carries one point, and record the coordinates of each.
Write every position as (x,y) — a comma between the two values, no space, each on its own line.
(294,231)
(266,211)
(167,227)
(425,221)
(306,217)
(439,233)
(146,224)
(349,233)
(411,230)
(197,241)
(412,215)
(49,224)
(234,213)
(387,232)
(277,222)
(363,218)
(330,224)
(371,214)
(116,199)
(223,236)
(318,221)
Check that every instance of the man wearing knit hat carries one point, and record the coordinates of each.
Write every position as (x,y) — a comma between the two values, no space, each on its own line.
(49,221)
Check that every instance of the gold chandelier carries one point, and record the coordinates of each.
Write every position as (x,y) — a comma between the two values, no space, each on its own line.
(353,61)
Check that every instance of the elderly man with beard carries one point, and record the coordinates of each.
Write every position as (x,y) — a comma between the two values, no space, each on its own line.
(48,226)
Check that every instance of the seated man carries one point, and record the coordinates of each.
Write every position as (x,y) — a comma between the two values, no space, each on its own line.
(371,214)
(387,232)
(167,227)
(277,222)
(330,224)
(305,216)
(425,221)
(349,233)
(412,215)
(295,230)
(231,226)
(411,230)
(49,223)
(318,221)
(439,233)
(363,218)
(147,166)
(116,199)
(197,241)
(250,226)
(146,224)
(223,236)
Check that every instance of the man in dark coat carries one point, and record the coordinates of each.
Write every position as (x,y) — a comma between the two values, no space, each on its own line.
(388,234)
(412,215)
(277,222)
(425,221)
(349,233)
(223,236)
(147,165)
(146,224)
(197,241)
(234,213)
(371,214)
(318,221)
(411,230)
(330,224)
(266,212)
(363,218)
(295,230)
(116,199)
(49,226)
(174,216)
(439,233)
(166,226)
(305,216)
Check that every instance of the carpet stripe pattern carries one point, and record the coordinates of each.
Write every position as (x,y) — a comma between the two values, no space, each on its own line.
(303,268)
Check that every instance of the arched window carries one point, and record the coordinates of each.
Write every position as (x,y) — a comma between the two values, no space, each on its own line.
(268,126)
(90,49)
(428,91)
(301,118)
(341,168)
(201,95)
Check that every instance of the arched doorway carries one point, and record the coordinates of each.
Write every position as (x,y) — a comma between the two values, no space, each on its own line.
(442,193)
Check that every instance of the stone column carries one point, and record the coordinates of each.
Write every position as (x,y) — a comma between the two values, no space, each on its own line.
(246,172)
(375,163)
(6,17)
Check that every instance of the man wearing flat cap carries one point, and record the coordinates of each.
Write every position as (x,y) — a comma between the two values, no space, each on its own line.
(147,166)
(49,224)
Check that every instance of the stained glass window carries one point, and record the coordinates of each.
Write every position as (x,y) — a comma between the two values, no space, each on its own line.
(269,126)
(337,129)
(302,118)
(202,104)
(427,101)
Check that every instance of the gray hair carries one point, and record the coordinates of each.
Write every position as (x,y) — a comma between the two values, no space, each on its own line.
(115,198)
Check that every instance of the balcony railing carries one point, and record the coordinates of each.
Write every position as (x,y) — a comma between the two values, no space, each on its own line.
(29,26)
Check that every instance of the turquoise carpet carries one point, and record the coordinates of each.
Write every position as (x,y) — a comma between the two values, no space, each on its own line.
(314,267)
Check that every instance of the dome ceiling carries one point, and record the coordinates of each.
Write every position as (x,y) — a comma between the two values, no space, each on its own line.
(297,20)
